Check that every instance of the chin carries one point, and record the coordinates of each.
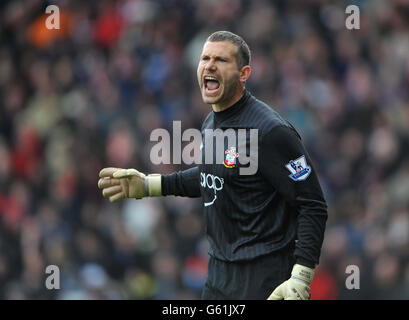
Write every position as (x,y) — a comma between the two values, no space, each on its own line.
(211,100)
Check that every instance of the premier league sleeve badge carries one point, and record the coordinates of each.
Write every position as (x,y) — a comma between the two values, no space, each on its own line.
(299,169)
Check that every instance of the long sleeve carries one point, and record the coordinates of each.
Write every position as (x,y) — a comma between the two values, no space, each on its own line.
(284,162)
(182,183)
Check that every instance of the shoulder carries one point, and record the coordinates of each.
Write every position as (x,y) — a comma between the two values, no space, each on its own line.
(267,119)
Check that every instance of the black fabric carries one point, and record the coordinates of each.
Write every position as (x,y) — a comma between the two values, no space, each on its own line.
(247,280)
(182,183)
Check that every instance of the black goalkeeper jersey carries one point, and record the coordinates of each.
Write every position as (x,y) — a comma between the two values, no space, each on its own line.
(250,215)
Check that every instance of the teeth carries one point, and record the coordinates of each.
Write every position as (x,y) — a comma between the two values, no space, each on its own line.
(210,78)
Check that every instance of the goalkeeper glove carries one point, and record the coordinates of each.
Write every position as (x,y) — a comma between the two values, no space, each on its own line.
(297,287)
(118,184)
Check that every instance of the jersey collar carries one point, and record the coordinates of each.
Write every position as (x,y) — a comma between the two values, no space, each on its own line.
(230,111)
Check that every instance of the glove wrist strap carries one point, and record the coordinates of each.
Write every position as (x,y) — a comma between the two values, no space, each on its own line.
(153,185)
(303,273)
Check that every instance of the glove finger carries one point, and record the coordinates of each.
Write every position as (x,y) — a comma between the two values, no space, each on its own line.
(297,294)
(306,295)
(125,173)
(122,173)
(107,182)
(116,197)
(110,191)
(108,172)
(275,296)
(278,293)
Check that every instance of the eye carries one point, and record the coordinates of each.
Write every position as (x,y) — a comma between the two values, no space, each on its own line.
(220,59)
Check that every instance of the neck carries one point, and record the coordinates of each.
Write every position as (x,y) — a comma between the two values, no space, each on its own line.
(223,106)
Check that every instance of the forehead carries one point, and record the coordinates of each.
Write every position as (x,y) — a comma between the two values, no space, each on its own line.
(219,48)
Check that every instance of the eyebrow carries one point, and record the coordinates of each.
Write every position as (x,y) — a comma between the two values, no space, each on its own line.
(216,57)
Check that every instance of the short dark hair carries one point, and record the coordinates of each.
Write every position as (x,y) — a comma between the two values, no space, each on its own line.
(243,51)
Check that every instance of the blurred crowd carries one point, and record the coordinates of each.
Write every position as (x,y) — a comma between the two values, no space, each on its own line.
(76,99)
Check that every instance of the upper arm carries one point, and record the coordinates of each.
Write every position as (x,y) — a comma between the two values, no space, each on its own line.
(286,164)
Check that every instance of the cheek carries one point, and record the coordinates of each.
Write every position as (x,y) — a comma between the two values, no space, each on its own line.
(231,78)
(199,74)
(200,69)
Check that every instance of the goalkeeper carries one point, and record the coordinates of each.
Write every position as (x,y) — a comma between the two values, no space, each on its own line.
(265,229)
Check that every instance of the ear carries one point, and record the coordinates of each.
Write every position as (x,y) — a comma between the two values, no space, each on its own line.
(245,73)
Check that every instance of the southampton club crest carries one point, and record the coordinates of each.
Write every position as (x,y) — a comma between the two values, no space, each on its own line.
(299,169)
(230,159)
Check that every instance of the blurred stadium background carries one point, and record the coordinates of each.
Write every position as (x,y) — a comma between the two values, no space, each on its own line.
(88,95)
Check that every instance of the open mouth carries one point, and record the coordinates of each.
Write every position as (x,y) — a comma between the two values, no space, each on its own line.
(211,85)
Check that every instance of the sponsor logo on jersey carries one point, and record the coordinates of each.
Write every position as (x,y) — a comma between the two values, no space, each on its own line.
(212,182)
(299,169)
(230,159)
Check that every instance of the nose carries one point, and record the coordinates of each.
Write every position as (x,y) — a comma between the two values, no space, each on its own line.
(210,65)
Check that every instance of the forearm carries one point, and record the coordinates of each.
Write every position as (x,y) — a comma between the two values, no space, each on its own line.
(182,183)
(311,222)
